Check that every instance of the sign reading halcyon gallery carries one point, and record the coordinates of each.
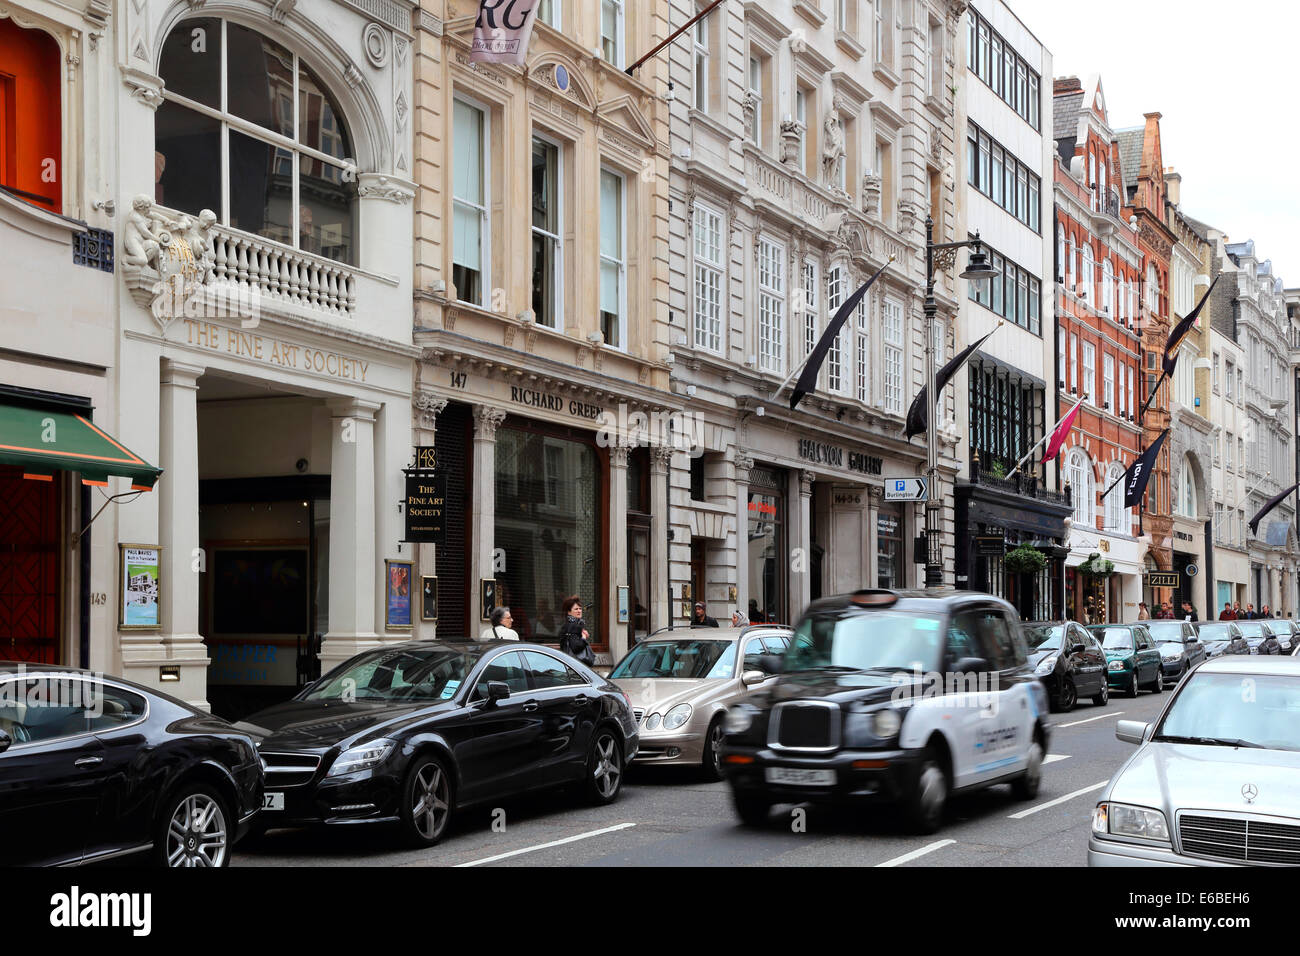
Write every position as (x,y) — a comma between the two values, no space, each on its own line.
(426,508)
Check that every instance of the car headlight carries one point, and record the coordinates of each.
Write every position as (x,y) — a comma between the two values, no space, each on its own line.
(361,757)
(1126,820)
(885,723)
(738,719)
(1171,655)
(1116,665)
(653,721)
(677,716)
(1046,664)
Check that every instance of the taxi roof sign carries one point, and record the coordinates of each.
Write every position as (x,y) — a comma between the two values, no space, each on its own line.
(873,598)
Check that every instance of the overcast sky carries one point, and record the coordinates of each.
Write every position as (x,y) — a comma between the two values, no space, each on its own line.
(1224,77)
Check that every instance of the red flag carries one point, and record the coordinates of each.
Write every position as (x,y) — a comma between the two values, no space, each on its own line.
(1061,432)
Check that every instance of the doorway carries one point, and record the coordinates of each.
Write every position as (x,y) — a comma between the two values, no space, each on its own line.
(29,569)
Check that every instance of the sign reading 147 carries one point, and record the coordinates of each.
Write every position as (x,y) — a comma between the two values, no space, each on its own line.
(905,489)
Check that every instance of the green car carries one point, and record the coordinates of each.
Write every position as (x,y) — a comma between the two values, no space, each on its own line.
(1132,659)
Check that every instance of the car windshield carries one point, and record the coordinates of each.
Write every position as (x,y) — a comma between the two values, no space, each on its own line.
(409,674)
(1213,710)
(1114,638)
(1251,628)
(1044,637)
(1213,632)
(711,660)
(871,640)
(1166,632)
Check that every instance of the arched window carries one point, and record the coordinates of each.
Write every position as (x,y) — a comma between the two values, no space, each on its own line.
(1078,470)
(1186,503)
(1108,289)
(1088,277)
(249,131)
(1117,516)
(31,124)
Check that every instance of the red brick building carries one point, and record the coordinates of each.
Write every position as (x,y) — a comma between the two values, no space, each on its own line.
(1099,274)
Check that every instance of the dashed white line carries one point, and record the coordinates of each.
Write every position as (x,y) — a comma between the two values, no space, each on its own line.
(546,846)
(908,857)
(1088,720)
(1052,758)
(1051,803)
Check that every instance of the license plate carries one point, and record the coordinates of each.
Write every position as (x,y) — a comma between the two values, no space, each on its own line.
(272,801)
(816,778)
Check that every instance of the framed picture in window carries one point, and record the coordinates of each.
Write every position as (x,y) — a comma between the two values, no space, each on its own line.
(429,598)
(487,593)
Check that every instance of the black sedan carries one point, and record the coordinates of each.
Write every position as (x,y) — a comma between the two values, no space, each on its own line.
(1180,648)
(93,767)
(409,733)
(1077,669)
(1221,637)
(1287,633)
(1259,635)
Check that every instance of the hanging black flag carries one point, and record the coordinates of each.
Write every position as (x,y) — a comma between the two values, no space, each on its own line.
(1167,373)
(918,415)
(1180,331)
(1277,499)
(807,383)
(1139,473)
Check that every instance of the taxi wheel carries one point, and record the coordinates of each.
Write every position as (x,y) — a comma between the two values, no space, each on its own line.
(925,805)
(712,759)
(1025,787)
(753,809)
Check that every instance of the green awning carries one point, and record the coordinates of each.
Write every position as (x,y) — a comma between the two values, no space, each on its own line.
(42,442)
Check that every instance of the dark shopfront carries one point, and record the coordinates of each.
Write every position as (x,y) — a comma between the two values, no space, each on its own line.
(1018,513)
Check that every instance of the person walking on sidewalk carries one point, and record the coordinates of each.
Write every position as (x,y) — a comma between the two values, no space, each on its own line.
(574,636)
(501,628)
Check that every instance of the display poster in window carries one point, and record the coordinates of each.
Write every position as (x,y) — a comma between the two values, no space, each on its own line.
(397,574)
(139,567)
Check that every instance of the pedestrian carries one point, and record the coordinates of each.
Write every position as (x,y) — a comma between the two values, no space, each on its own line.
(738,619)
(1143,613)
(575,639)
(1189,612)
(1166,612)
(1265,611)
(1250,612)
(1227,614)
(501,628)
(1237,613)
(701,619)
(754,614)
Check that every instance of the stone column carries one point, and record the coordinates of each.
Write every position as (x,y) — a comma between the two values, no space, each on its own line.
(875,495)
(800,496)
(354,573)
(618,569)
(661,457)
(483,508)
(178,524)
(425,409)
(1275,588)
(744,464)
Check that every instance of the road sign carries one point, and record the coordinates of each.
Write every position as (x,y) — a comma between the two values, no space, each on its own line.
(1191,570)
(905,489)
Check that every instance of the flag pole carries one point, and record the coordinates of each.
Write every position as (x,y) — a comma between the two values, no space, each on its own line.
(675,34)
(1043,439)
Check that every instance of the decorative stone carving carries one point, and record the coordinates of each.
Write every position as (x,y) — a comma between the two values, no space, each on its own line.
(872,187)
(487,419)
(747,106)
(144,87)
(833,153)
(661,457)
(280,9)
(909,213)
(806,479)
(428,406)
(744,465)
(790,132)
(379,186)
(374,40)
(141,244)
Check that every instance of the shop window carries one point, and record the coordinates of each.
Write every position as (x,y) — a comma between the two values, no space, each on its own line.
(286,173)
(889,547)
(767,556)
(31,124)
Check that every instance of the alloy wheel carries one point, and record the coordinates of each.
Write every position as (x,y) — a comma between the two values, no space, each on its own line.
(196,833)
(608,769)
(714,744)
(432,803)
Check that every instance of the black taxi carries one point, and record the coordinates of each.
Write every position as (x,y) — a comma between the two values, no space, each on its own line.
(901,696)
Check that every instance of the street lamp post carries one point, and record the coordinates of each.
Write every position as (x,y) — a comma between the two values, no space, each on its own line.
(941,255)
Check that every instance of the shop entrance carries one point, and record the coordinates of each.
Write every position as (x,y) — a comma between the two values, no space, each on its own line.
(29,569)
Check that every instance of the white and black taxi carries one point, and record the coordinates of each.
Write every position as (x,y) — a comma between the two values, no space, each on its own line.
(900,696)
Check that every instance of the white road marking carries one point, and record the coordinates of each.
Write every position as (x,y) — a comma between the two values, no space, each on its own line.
(546,846)
(1051,803)
(1088,720)
(1052,758)
(908,857)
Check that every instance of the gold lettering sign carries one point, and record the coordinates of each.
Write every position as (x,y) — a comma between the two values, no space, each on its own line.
(260,348)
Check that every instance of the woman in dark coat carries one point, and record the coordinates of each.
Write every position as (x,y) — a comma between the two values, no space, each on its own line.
(574,636)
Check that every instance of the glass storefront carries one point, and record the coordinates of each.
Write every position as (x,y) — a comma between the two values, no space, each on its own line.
(548,531)
(767,562)
(889,547)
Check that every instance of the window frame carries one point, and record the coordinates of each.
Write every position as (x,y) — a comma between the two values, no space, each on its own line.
(712,339)
(621,261)
(558,237)
(484,212)
(771,262)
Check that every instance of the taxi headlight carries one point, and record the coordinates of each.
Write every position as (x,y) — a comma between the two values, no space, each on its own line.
(738,719)
(677,716)
(1126,820)
(1046,664)
(653,721)
(885,723)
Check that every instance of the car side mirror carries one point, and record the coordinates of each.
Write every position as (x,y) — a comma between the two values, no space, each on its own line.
(1131,731)
(497,690)
(5,741)
(750,678)
(971,665)
(1076,648)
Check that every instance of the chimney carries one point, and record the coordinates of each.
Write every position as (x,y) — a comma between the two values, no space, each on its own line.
(1173,185)
(1066,84)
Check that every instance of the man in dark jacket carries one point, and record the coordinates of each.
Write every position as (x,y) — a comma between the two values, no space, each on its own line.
(1189,612)
(1227,614)
(701,619)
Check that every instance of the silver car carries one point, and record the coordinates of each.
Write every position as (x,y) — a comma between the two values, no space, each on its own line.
(1215,780)
(681,683)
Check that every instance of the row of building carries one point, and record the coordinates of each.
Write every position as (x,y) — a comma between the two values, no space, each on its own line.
(273,249)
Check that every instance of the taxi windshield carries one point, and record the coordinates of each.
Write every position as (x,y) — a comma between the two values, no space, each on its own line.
(682,659)
(870,640)
(1114,638)
(1044,637)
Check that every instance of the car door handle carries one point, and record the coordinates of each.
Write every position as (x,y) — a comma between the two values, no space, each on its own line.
(88,762)
(530,706)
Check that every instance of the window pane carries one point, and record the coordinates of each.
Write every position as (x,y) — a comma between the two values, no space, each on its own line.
(191,61)
(326,223)
(263,73)
(611,215)
(261,188)
(320,124)
(467,172)
(545,172)
(188,147)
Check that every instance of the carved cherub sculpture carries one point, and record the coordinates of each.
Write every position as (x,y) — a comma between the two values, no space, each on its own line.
(140,242)
(199,237)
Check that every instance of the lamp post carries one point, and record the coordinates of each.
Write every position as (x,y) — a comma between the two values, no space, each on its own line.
(940,255)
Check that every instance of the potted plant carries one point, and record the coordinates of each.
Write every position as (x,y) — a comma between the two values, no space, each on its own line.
(1025,560)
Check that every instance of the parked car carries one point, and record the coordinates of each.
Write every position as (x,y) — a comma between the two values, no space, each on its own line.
(1214,779)
(94,767)
(1259,635)
(898,696)
(1179,646)
(681,683)
(1221,637)
(410,733)
(1132,660)
(1286,631)
(1069,661)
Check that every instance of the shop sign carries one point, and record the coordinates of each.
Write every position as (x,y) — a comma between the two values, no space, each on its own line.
(821,453)
(426,497)
(553,402)
(990,546)
(1163,579)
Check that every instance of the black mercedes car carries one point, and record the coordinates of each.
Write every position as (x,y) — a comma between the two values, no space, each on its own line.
(94,767)
(1069,661)
(1221,637)
(409,733)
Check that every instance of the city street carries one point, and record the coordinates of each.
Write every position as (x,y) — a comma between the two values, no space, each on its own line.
(673,818)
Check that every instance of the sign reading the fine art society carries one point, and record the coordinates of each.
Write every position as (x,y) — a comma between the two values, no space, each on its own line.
(426,497)
(138,565)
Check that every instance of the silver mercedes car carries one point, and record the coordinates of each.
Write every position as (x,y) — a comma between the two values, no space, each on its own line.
(1215,780)
(681,683)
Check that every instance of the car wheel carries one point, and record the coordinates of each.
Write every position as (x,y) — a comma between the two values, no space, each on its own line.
(1025,787)
(925,805)
(752,808)
(712,762)
(1102,699)
(604,767)
(1158,685)
(426,801)
(1068,697)
(1133,684)
(193,829)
